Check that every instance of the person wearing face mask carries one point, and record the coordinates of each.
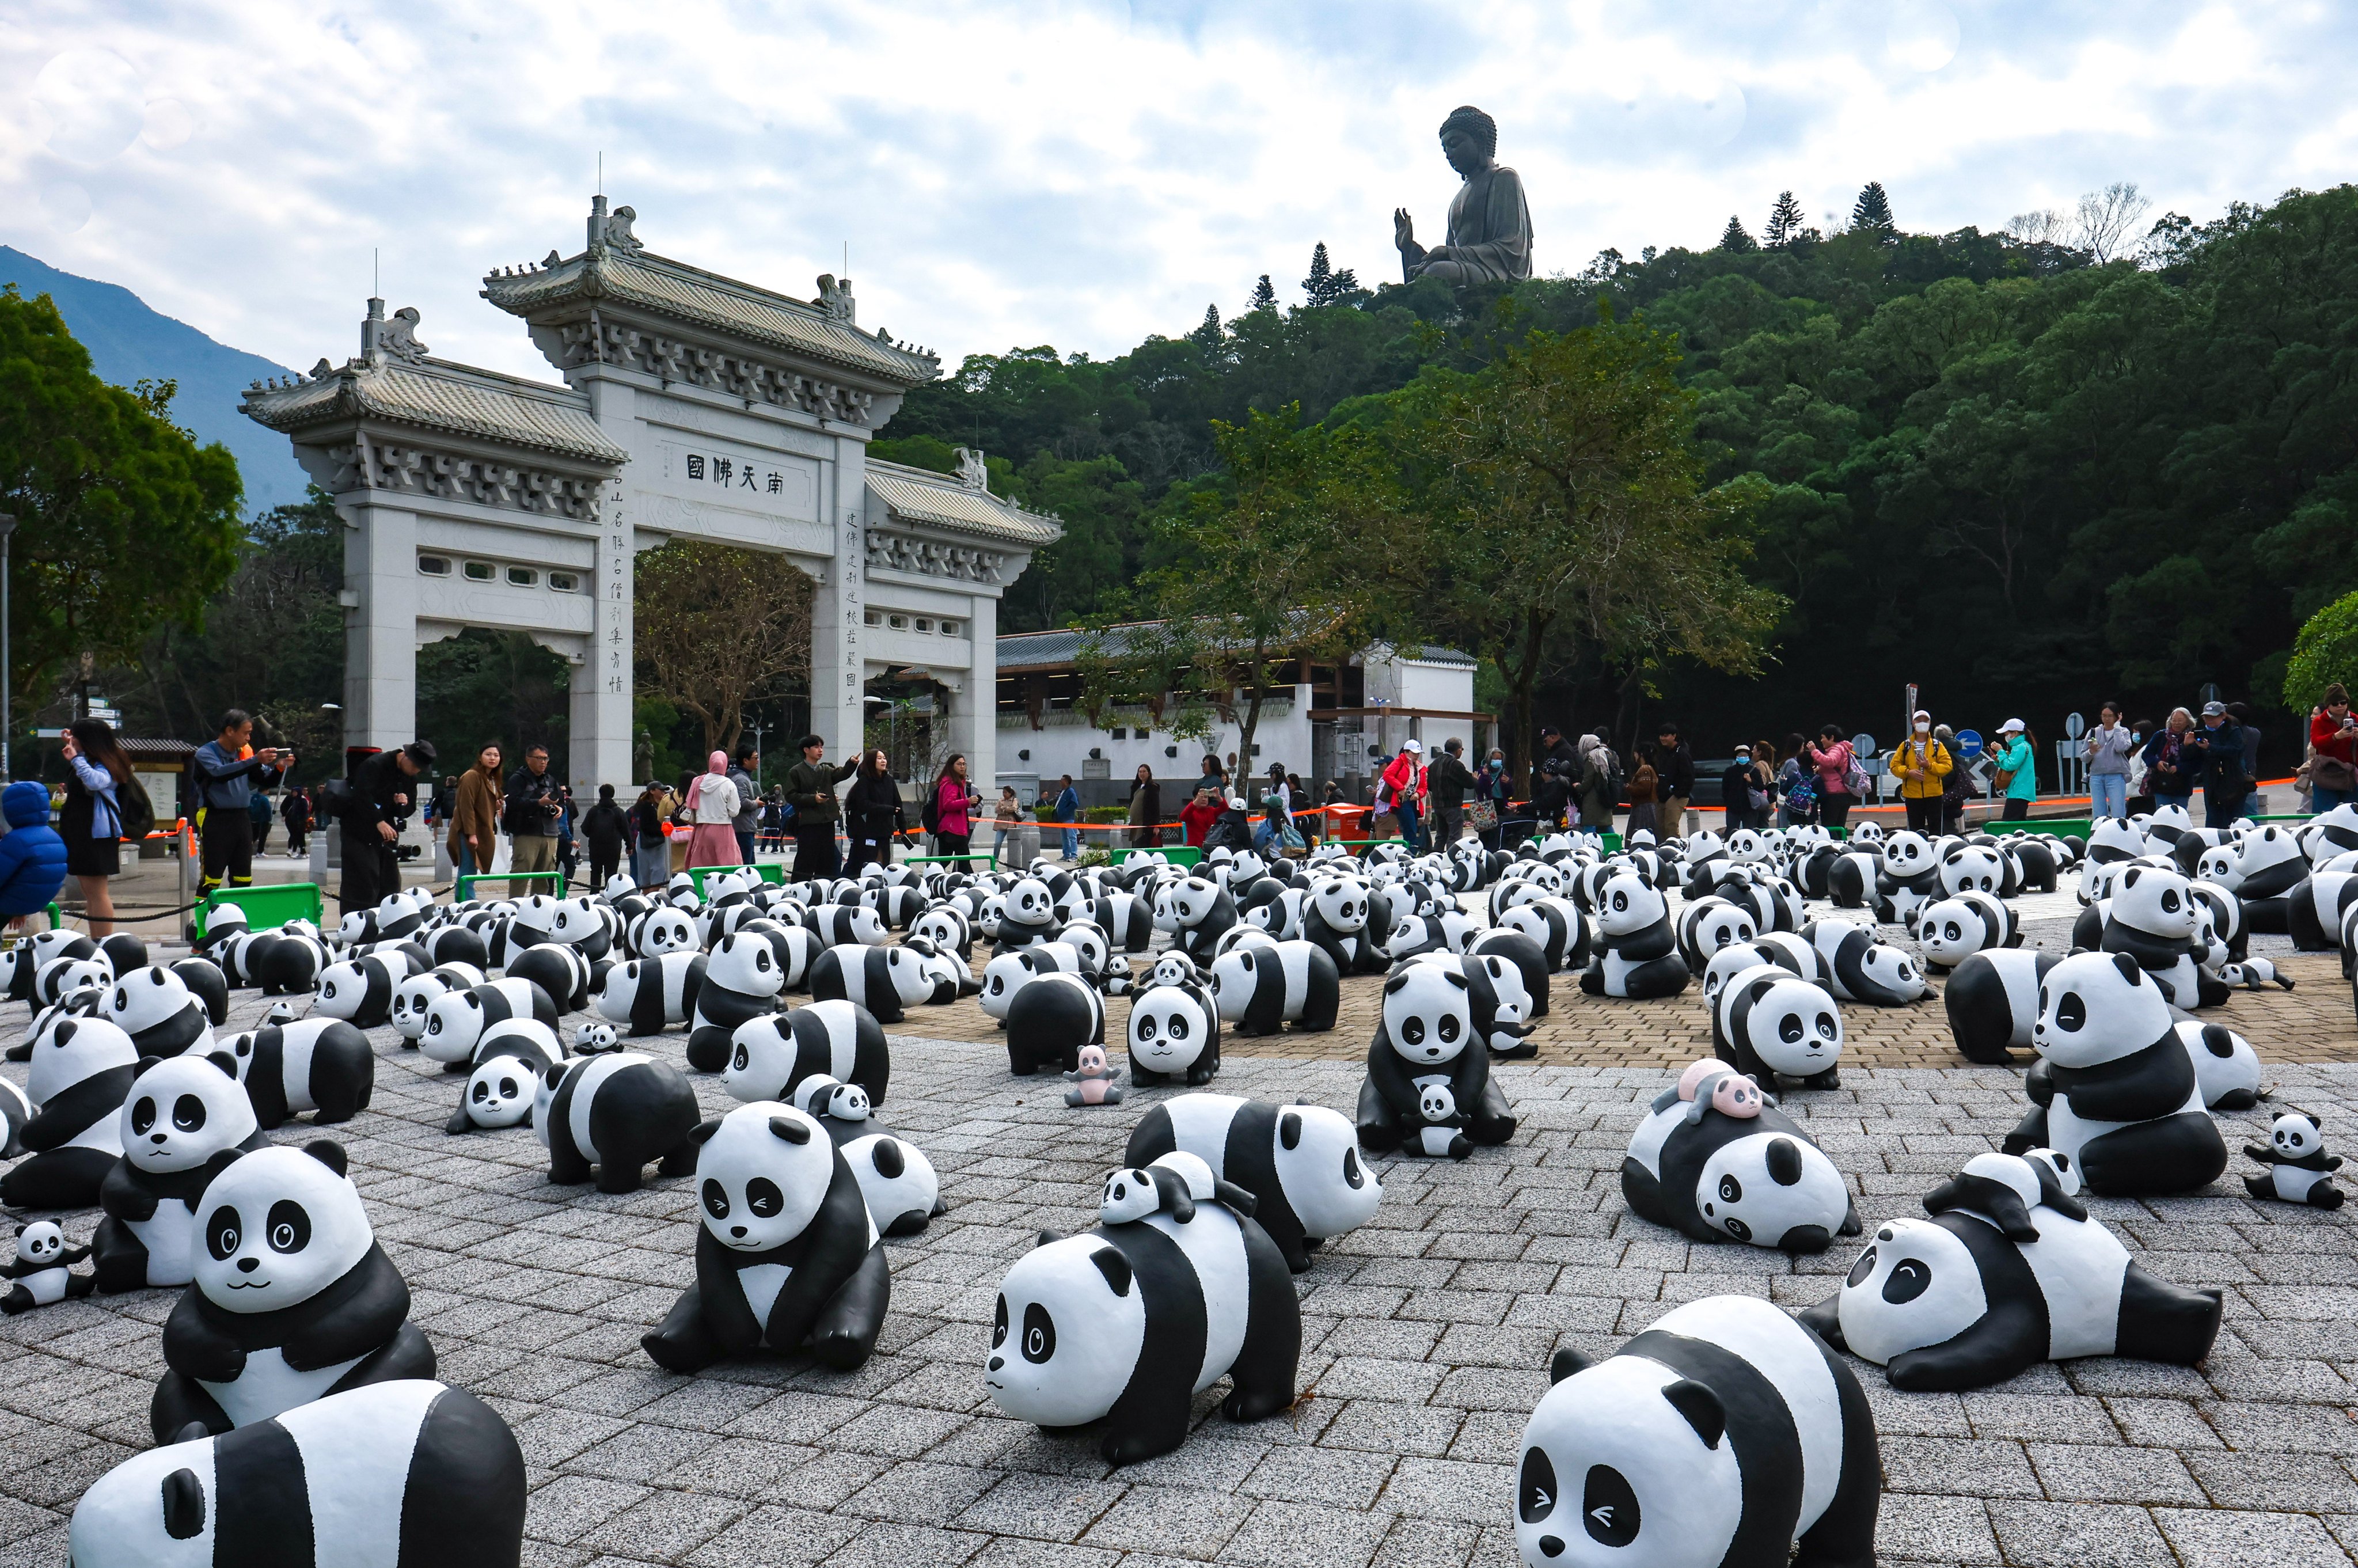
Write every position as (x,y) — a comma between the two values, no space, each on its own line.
(1489,810)
(1734,787)
(1922,765)
(2218,748)
(2107,748)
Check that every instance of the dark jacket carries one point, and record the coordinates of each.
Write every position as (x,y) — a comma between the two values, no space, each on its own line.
(375,784)
(1733,785)
(606,827)
(810,786)
(32,856)
(749,800)
(1552,784)
(871,807)
(1231,832)
(1152,789)
(2222,758)
(645,817)
(223,780)
(528,799)
(1674,767)
(1446,780)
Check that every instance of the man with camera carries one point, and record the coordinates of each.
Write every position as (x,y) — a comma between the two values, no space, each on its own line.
(378,800)
(533,803)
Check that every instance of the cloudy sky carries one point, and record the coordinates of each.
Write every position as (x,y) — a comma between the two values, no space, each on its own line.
(1073,172)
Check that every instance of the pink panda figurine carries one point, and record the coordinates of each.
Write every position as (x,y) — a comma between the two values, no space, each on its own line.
(1712,1084)
(1735,1095)
(1094,1083)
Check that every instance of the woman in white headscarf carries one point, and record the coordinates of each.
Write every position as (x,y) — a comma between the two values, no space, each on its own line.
(712,804)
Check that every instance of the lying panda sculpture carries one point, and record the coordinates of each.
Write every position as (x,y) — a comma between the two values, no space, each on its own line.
(1715,1162)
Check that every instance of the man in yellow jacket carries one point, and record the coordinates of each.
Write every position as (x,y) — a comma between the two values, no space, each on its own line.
(1920,765)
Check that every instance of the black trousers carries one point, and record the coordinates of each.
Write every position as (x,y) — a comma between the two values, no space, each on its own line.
(1834,810)
(226,846)
(1924,814)
(371,871)
(816,854)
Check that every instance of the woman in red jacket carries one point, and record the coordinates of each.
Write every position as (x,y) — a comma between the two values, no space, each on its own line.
(2333,742)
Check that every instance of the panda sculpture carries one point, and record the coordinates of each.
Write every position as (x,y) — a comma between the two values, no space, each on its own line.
(1127,1323)
(565,972)
(1710,924)
(2299,1169)
(1422,1034)
(2226,1068)
(1907,878)
(293,1299)
(1526,957)
(1336,915)
(788,1257)
(897,1182)
(16,1111)
(1952,929)
(1261,990)
(360,990)
(1637,956)
(1174,1034)
(1715,1160)
(2007,1273)
(500,1093)
(648,995)
(2126,1106)
(402,1474)
(1992,1001)
(1724,1436)
(742,980)
(41,1274)
(184,1120)
(1300,1164)
(1860,968)
(1050,1020)
(887,981)
(2154,919)
(456,1019)
(1555,926)
(407,1010)
(82,1071)
(1199,912)
(618,1113)
(770,1057)
(155,1008)
(1769,1024)
(323,1065)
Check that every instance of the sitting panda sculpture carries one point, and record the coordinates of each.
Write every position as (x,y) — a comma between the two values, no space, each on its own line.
(1174,1034)
(1176,1288)
(2298,1169)
(82,1071)
(1768,1022)
(1637,954)
(2007,1273)
(1426,1032)
(1715,1162)
(41,1274)
(788,1257)
(184,1120)
(1724,1436)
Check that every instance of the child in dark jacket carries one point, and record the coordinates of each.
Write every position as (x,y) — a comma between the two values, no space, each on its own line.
(32,856)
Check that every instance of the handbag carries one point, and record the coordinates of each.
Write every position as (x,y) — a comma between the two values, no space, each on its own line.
(1757,799)
(1483,815)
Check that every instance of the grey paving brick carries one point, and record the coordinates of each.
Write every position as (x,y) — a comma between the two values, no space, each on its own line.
(663,1525)
(1041,1508)
(2213,1540)
(1298,1535)
(2093,1472)
(1171,1522)
(1934,1530)
(2077,1535)
(1320,1475)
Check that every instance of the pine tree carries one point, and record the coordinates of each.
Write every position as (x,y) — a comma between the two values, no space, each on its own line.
(1325,286)
(1206,335)
(1735,237)
(1873,213)
(1786,221)
(1264,298)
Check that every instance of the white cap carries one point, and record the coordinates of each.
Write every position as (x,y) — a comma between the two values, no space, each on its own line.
(2010,726)
(1412,746)
(1236,803)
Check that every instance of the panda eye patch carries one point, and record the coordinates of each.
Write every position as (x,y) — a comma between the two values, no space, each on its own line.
(1178,1027)
(716,1200)
(742,1059)
(143,1115)
(188,1113)
(289,1227)
(2071,1012)
(1353,1176)
(998,1325)
(1447,1027)
(1412,1030)
(1039,1333)
(1730,1189)
(1608,1506)
(1908,1280)
(763,1196)
(1535,1488)
(1861,1270)
(221,1234)
(1826,1025)
(1789,1027)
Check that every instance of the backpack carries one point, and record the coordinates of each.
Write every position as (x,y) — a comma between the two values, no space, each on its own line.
(930,814)
(134,813)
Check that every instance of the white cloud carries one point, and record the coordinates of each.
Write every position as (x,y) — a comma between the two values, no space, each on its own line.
(1078,172)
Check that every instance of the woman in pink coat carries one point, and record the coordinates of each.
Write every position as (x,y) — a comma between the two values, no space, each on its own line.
(712,803)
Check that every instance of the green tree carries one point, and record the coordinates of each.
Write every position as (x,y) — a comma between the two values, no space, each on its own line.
(1735,237)
(126,523)
(1786,222)
(718,628)
(2323,654)
(1206,335)
(1871,214)
(1325,286)
(1264,298)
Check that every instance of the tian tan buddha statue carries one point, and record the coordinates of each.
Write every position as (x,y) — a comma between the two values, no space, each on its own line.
(1489,223)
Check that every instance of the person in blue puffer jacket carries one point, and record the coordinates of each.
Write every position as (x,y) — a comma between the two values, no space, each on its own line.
(32,856)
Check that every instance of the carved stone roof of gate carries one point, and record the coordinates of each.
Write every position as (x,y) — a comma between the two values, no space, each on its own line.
(439,395)
(700,298)
(942,501)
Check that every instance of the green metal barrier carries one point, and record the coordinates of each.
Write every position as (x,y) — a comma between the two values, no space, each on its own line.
(1177,854)
(267,905)
(771,871)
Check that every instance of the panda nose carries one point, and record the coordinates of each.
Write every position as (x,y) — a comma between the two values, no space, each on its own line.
(1550,1546)
(737,1231)
(156,1138)
(248,1265)
(996,1363)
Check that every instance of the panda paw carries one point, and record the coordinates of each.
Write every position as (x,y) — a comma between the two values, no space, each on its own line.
(2325,1194)
(2260,1186)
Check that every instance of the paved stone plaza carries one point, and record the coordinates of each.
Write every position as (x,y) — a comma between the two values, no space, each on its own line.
(1425,1338)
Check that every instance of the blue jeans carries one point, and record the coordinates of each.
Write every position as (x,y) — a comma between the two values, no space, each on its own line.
(2323,800)
(1411,831)
(2182,802)
(467,866)
(2109,794)
(1072,843)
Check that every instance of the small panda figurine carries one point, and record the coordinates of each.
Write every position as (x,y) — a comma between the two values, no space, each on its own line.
(1426,1024)
(82,1071)
(1127,1323)
(2254,974)
(742,980)
(1301,1162)
(406,1473)
(1907,878)
(293,1299)
(1027,915)
(1709,924)
(1261,990)
(618,1113)
(41,1274)
(787,1258)
(1637,946)
(1094,1082)
(184,1120)
(2153,919)
(1725,1434)
(405,1009)
(1175,1034)
(1713,1160)
(1438,1134)
(771,1057)
(897,1181)
(2007,1273)
(563,971)
(2299,1168)
(1951,929)
(2226,1067)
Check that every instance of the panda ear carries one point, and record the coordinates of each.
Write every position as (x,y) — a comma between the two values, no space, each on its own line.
(1114,1267)
(329,1152)
(1784,1161)
(1288,1131)
(1702,1409)
(1566,1362)
(224,1061)
(184,1505)
(2129,969)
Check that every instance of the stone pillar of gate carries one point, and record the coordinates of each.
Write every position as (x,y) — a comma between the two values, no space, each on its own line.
(839,602)
(380,601)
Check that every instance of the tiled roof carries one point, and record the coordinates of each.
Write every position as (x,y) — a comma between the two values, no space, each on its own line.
(920,495)
(436,394)
(707,299)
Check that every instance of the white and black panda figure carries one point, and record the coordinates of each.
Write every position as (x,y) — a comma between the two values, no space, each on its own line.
(899,1183)
(360,990)
(947,927)
(406,1473)
(16,1111)
(1846,875)
(1967,867)
(1261,990)
(60,977)
(1907,878)
(41,1274)
(564,972)
(1422,1035)
(1301,1162)
(81,1070)
(742,979)
(185,1120)
(1768,1023)
(1992,1001)
(2299,1169)
(1952,929)
(1050,1020)
(500,1092)
(887,981)
(293,1298)
(2254,974)
(163,1017)
(659,931)
(845,924)
(768,1057)
(787,1258)
(1526,957)
(1412,934)
(1501,1004)
(2126,1104)
(456,1019)
(1707,924)
(612,1115)
(1860,968)
(1438,1123)
(646,996)
(1726,1435)
(1729,963)
(455,944)
(1713,1160)
(290,961)
(1335,917)
(1127,1323)
(2007,1273)
(2225,1066)
(411,999)
(320,1065)
(1201,911)
(1174,1031)
(1637,958)
(1555,926)
(1027,914)
(2153,919)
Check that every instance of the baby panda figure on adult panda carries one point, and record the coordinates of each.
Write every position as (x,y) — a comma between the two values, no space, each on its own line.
(185,1119)
(1715,1160)
(898,1182)
(1637,954)
(2007,1273)
(82,1071)
(2299,1169)
(2126,1105)
(1301,1162)
(1724,1436)
(1426,1033)
(1175,1288)
(787,1258)
(293,1299)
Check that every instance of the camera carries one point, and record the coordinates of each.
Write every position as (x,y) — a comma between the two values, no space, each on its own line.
(407,851)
